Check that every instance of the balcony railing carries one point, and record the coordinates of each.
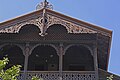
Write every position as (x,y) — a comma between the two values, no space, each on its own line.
(55,75)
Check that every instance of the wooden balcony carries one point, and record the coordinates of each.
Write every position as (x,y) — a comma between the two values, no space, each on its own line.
(55,75)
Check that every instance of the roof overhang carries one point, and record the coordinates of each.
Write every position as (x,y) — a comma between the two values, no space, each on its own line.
(73,25)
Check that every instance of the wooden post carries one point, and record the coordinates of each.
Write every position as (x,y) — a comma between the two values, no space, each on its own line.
(60,60)
(96,62)
(26,53)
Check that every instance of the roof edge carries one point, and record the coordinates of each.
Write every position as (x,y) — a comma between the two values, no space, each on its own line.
(15,18)
(81,21)
(71,18)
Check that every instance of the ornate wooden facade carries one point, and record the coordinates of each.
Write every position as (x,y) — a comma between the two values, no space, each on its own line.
(54,46)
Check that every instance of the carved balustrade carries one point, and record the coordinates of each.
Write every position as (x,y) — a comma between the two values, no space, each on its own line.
(55,75)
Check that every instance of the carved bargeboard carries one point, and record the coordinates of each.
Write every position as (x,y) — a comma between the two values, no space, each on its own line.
(51,20)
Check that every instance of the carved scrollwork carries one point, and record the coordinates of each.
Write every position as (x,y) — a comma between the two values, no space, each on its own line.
(44,4)
(71,27)
(51,20)
(16,28)
(36,22)
(66,75)
(8,30)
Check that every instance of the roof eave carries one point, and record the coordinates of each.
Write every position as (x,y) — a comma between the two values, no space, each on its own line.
(21,16)
(83,22)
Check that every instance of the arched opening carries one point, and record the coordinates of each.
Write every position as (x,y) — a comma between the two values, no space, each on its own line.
(56,28)
(14,54)
(29,28)
(57,31)
(43,58)
(29,31)
(78,58)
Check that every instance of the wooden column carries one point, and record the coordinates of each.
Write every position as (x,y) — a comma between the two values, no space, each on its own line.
(96,62)
(26,53)
(61,51)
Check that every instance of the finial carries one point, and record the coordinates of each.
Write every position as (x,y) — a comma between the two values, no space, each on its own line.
(45,0)
(44,5)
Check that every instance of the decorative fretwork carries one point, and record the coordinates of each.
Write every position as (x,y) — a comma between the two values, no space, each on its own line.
(21,76)
(16,28)
(51,20)
(71,27)
(79,76)
(44,4)
(66,75)
(46,75)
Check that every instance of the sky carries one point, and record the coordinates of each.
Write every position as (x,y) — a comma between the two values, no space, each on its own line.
(104,13)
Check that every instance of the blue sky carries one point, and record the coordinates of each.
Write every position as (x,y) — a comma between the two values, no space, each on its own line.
(105,13)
